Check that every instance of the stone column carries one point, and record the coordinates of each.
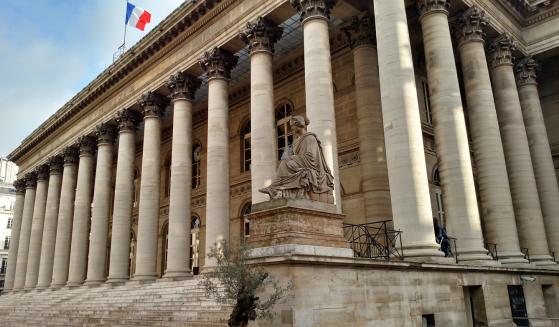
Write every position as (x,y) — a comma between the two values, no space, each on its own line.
(529,219)
(540,150)
(124,196)
(374,174)
(496,200)
(25,231)
(405,156)
(36,239)
(101,205)
(451,138)
(16,228)
(65,218)
(261,36)
(146,254)
(82,213)
(319,87)
(51,221)
(218,64)
(183,88)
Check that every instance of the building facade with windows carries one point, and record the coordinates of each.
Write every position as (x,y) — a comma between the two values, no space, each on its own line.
(436,118)
(8,172)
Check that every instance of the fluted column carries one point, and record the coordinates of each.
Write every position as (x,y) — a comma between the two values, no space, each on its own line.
(65,218)
(146,254)
(451,138)
(25,232)
(540,150)
(124,196)
(405,156)
(16,228)
(183,88)
(261,35)
(97,260)
(218,64)
(374,173)
(529,219)
(36,238)
(82,213)
(496,200)
(51,222)
(319,87)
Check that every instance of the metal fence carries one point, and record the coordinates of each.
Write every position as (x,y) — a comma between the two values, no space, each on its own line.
(374,240)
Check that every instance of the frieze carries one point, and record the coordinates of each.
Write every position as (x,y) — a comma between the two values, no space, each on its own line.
(349,159)
(199,202)
(218,63)
(472,25)
(500,50)
(526,71)
(239,190)
(261,35)
(183,86)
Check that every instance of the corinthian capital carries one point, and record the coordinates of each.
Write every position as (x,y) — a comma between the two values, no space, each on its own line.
(526,71)
(42,172)
(313,8)
(152,104)
(360,31)
(105,134)
(472,25)
(70,155)
(55,163)
(183,86)
(127,120)
(431,6)
(218,63)
(501,49)
(19,184)
(87,145)
(31,180)
(261,35)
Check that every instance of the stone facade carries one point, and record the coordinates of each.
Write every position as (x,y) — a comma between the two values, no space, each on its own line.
(416,122)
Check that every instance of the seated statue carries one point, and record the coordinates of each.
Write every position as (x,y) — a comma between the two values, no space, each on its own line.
(303,174)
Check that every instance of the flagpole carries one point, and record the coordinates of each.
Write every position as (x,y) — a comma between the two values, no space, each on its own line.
(125,26)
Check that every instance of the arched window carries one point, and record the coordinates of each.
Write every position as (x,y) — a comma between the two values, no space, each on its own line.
(245,222)
(136,188)
(245,147)
(132,257)
(165,248)
(168,177)
(196,166)
(195,244)
(285,136)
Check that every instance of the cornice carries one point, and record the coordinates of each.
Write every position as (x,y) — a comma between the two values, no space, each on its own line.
(185,18)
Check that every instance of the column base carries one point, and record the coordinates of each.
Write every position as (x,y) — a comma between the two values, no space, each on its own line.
(513,259)
(144,278)
(41,287)
(74,284)
(56,286)
(117,280)
(177,275)
(94,282)
(425,253)
(474,256)
(543,261)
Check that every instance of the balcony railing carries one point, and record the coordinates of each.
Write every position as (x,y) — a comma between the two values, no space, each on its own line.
(526,253)
(492,251)
(374,240)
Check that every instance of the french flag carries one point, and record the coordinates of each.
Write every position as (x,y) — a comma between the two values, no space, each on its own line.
(137,17)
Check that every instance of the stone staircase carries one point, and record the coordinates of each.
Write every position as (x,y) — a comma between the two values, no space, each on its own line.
(163,303)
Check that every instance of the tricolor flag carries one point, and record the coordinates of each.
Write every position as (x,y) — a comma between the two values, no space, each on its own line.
(137,17)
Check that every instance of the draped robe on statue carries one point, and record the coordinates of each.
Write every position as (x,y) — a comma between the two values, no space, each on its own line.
(303,172)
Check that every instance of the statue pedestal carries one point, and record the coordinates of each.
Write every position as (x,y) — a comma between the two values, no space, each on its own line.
(287,226)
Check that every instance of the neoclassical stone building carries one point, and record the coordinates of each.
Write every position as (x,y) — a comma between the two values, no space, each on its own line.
(435,117)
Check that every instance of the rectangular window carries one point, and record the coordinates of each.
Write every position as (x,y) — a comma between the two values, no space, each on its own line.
(518,305)
(475,306)
(4,266)
(427,102)
(1,284)
(440,207)
(428,320)
(7,243)
(10,223)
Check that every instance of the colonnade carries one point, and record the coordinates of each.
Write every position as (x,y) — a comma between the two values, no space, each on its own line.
(61,223)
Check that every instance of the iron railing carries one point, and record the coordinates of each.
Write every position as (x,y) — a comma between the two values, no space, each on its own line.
(526,253)
(374,240)
(452,248)
(530,321)
(492,251)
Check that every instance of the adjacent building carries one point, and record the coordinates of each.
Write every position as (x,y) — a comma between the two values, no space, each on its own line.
(8,172)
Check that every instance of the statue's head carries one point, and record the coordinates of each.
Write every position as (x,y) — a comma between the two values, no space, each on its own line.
(299,124)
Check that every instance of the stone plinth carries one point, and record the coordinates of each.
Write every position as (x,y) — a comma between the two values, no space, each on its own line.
(296,222)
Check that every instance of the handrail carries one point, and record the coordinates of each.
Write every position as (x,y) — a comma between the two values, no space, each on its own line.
(492,250)
(526,253)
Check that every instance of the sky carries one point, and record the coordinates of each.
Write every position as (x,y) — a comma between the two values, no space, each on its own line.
(51,49)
